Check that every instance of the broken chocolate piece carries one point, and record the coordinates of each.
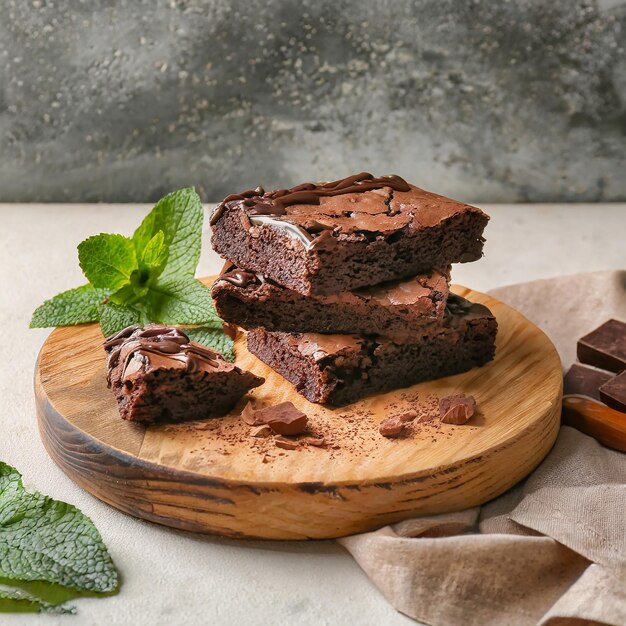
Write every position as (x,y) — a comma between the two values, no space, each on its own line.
(605,347)
(613,392)
(392,427)
(285,444)
(248,415)
(261,431)
(584,380)
(456,409)
(282,418)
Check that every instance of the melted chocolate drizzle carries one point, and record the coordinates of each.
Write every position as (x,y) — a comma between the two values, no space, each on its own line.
(273,203)
(238,277)
(137,344)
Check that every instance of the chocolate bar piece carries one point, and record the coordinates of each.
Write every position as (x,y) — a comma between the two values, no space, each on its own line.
(398,309)
(339,369)
(584,380)
(157,374)
(605,347)
(321,238)
(613,393)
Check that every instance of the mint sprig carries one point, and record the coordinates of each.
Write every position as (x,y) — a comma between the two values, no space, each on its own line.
(76,306)
(147,278)
(50,552)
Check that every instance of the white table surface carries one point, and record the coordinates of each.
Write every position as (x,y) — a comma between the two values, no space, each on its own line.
(172,577)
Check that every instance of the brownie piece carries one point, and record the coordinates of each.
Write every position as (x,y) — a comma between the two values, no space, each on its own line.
(339,369)
(157,374)
(397,309)
(605,347)
(321,238)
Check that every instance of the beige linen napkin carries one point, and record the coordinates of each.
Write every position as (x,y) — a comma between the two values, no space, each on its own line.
(552,550)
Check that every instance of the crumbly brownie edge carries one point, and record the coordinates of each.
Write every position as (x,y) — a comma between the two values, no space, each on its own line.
(395,366)
(309,378)
(277,308)
(175,395)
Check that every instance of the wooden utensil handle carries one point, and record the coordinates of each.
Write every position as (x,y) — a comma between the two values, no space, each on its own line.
(597,420)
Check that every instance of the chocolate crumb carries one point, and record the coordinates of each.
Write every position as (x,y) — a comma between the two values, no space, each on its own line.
(391,427)
(457,408)
(407,416)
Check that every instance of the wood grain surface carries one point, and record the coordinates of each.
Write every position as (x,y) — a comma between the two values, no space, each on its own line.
(212,477)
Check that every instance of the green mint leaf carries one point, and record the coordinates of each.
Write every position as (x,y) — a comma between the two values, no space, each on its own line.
(115,317)
(154,256)
(179,216)
(17,600)
(214,338)
(45,592)
(42,539)
(107,260)
(75,306)
(184,301)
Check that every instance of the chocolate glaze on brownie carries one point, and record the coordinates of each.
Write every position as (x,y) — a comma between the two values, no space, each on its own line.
(321,238)
(397,309)
(157,373)
(339,369)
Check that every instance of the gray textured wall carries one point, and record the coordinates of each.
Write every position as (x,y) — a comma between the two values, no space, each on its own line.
(484,100)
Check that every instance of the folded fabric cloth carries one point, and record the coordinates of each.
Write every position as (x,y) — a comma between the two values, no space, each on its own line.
(552,550)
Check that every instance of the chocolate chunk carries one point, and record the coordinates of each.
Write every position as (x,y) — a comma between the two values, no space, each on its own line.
(285,444)
(157,374)
(282,418)
(613,392)
(584,380)
(261,431)
(605,347)
(456,409)
(248,415)
(392,427)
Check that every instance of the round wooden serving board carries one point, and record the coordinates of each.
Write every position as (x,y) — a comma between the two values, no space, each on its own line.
(212,477)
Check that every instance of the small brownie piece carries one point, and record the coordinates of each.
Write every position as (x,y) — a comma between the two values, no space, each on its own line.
(397,309)
(321,238)
(339,369)
(613,393)
(584,380)
(605,347)
(157,374)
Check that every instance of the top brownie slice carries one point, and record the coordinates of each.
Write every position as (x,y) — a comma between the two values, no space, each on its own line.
(321,238)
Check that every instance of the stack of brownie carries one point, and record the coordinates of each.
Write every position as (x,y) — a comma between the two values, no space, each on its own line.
(343,286)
